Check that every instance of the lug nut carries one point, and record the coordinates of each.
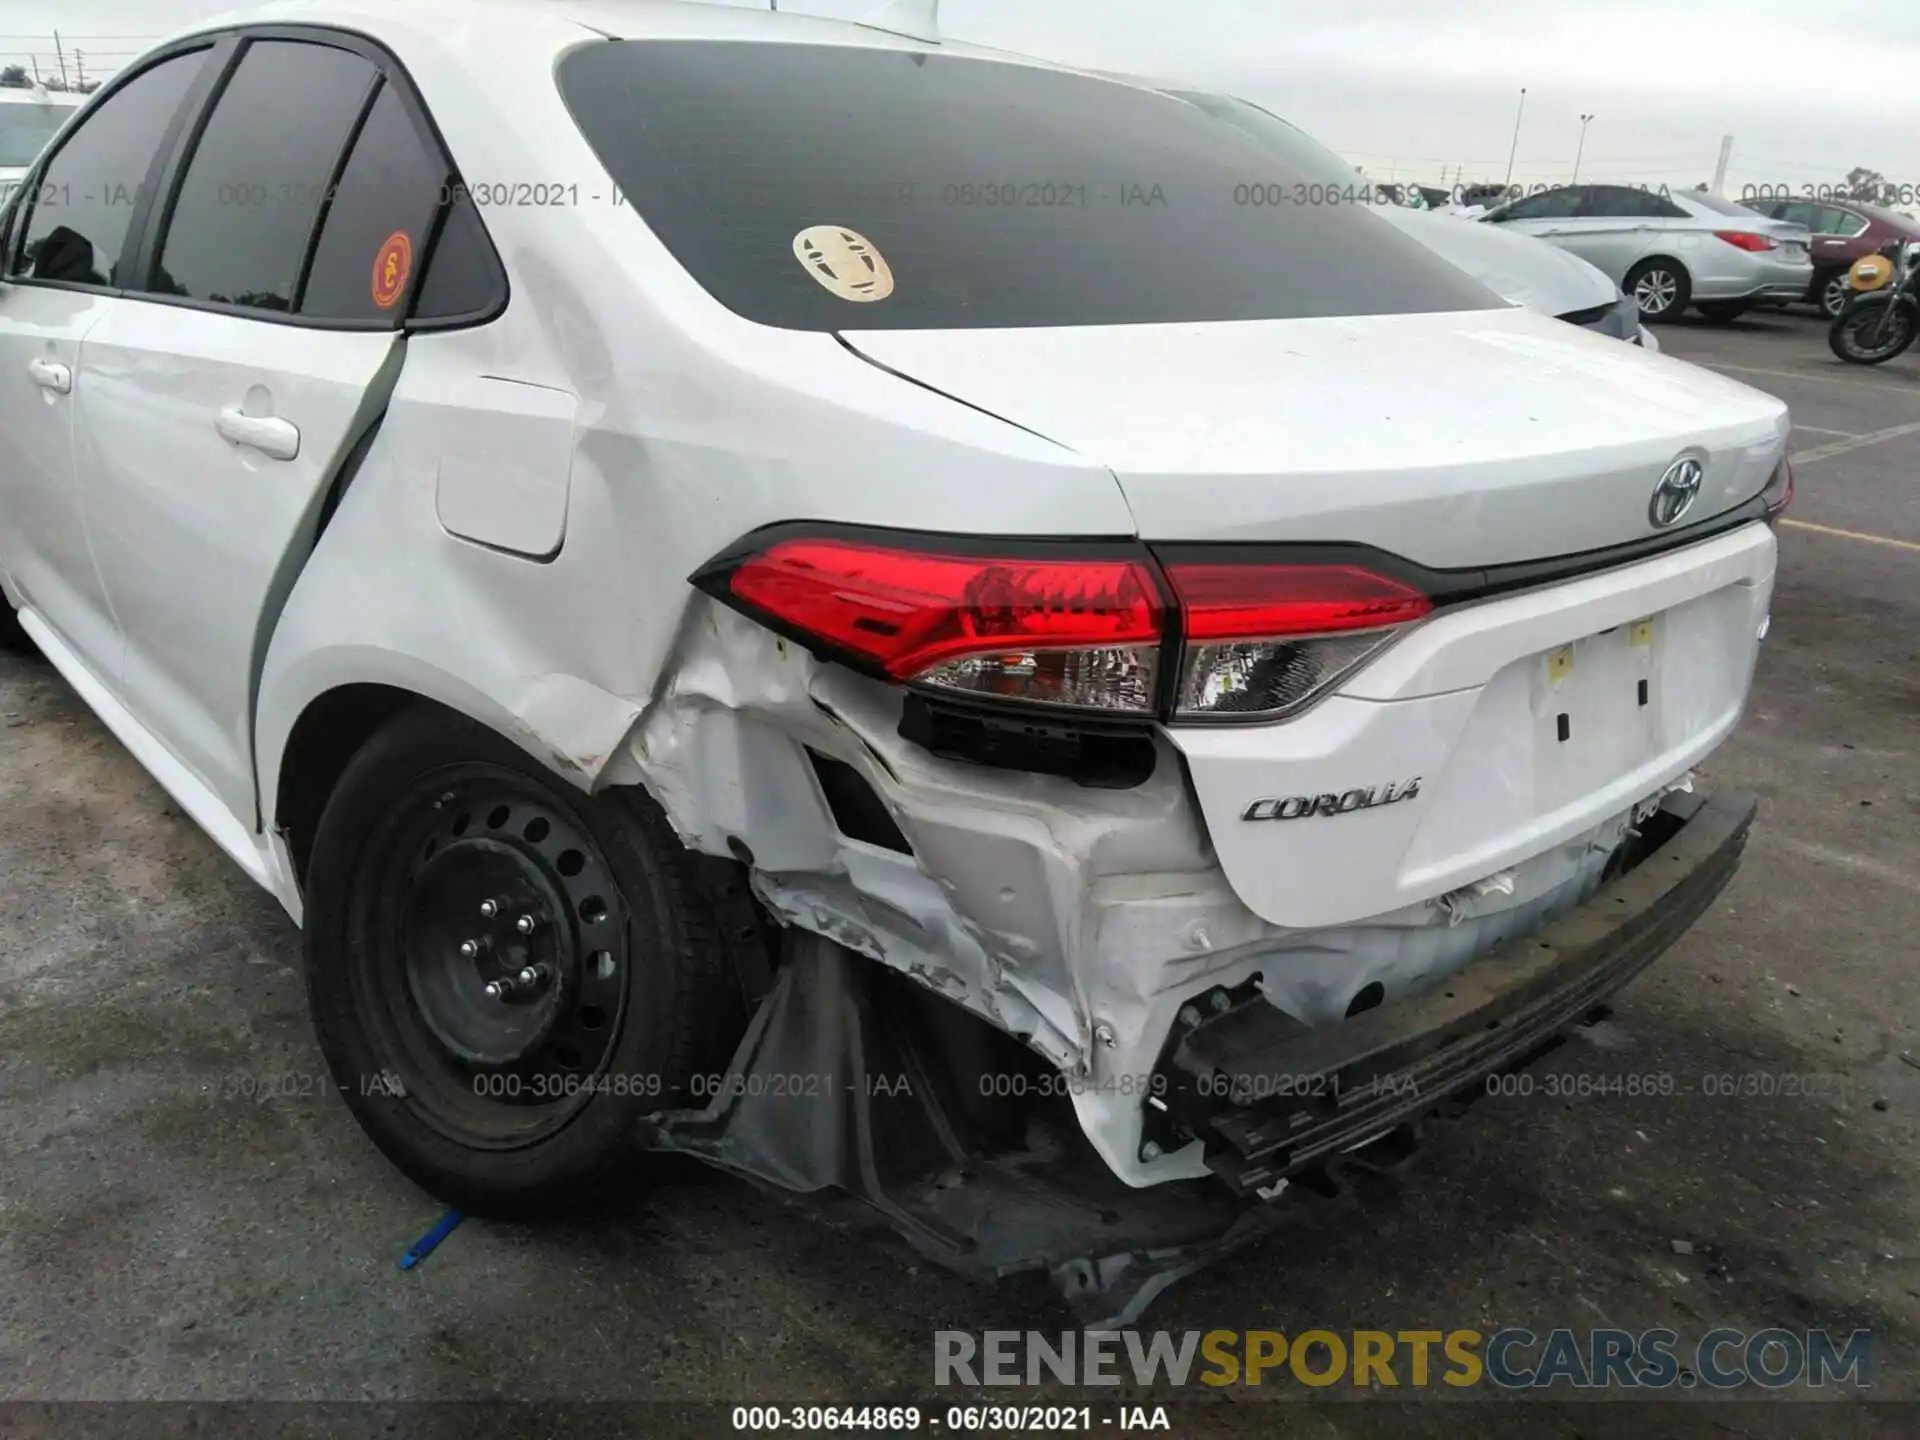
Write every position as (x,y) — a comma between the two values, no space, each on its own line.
(489,909)
(499,989)
(472,949)
(532,975)
(526,924)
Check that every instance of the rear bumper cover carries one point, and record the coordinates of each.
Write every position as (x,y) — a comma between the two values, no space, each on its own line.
(1271,1098)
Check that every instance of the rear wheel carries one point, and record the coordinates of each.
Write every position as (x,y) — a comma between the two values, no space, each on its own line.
(505,974)
(1722,312)
(1833,293)
(1660,287)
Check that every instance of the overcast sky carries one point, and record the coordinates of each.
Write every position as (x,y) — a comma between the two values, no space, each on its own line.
(1807,88)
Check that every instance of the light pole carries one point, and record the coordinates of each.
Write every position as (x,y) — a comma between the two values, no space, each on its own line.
(1516,136)
(1584,119)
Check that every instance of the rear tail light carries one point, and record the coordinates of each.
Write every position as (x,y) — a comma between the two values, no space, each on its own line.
(1111,632)
(1747,240)
(1057,631)
(1262,640)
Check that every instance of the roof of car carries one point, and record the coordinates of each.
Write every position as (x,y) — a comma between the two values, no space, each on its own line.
(618,19)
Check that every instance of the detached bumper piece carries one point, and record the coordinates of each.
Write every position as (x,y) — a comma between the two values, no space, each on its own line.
(1273,1100)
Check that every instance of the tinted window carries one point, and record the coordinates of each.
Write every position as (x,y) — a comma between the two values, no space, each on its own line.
(995,194)
(1550,205)
(85,198)
(254,187)
(25,130)
(464,278)
(1841,222)
(1629,202)
(376,228)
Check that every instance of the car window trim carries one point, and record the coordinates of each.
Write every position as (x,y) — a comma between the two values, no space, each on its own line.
(159,226)
(340,163)
(199,106)
(189,104)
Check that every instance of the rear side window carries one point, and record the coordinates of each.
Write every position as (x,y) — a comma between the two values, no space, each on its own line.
(377,225)
(1627,202)
(78,212)
(260,175)
(1549,205)
(464,280)
(824,187)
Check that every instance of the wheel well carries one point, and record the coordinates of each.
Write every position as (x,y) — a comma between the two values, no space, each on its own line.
(1644,261)
(328,734)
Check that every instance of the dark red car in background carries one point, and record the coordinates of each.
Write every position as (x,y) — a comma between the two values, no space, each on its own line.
(1843,231)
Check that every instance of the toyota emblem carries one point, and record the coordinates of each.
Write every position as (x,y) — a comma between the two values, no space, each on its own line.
(1673,496)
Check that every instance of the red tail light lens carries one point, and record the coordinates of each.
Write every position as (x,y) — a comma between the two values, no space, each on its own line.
(1263,640)
(1229,602)
(1080,632)
(1747,240)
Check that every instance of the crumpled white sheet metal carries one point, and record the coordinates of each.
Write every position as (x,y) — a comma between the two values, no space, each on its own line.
(1076,919)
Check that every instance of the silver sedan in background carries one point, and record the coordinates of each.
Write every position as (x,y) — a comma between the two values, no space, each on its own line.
(1673,249)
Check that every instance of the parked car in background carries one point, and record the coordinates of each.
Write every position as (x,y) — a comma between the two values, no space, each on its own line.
(1670,250)
(1527,272)
(1517,268)
(1842,231)
(29,118)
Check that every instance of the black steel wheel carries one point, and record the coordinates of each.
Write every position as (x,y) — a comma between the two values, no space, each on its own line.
(506,974)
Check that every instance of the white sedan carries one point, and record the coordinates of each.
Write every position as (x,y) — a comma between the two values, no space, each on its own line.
(841,603)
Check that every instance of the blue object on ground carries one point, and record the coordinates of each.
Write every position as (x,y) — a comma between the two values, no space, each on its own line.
(430,1241)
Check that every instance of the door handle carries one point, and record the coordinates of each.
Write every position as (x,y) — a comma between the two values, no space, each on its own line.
(51,375)
(269,434)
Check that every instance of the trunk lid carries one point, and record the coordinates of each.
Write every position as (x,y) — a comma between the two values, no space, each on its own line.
(1455,439)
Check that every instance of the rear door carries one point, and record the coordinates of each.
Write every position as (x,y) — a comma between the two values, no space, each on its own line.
(65,239)
(256,346)
(1617,226)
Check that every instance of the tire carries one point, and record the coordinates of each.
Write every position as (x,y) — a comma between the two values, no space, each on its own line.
(1831,292)
(1664,281)
(1723,312)
(1855,337)
(524,1107)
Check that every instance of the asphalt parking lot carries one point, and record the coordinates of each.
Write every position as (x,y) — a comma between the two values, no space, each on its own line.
(187,1212)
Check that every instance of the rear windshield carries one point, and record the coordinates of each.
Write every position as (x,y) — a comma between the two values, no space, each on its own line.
(1717,204)
(826,187)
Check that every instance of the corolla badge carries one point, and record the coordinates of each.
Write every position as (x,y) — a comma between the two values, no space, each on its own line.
(1298,807)
(1674,495)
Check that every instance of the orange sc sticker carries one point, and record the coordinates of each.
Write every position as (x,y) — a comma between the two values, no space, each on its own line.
(392,263)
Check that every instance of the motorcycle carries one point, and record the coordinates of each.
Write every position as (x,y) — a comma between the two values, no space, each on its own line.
(1883,316)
